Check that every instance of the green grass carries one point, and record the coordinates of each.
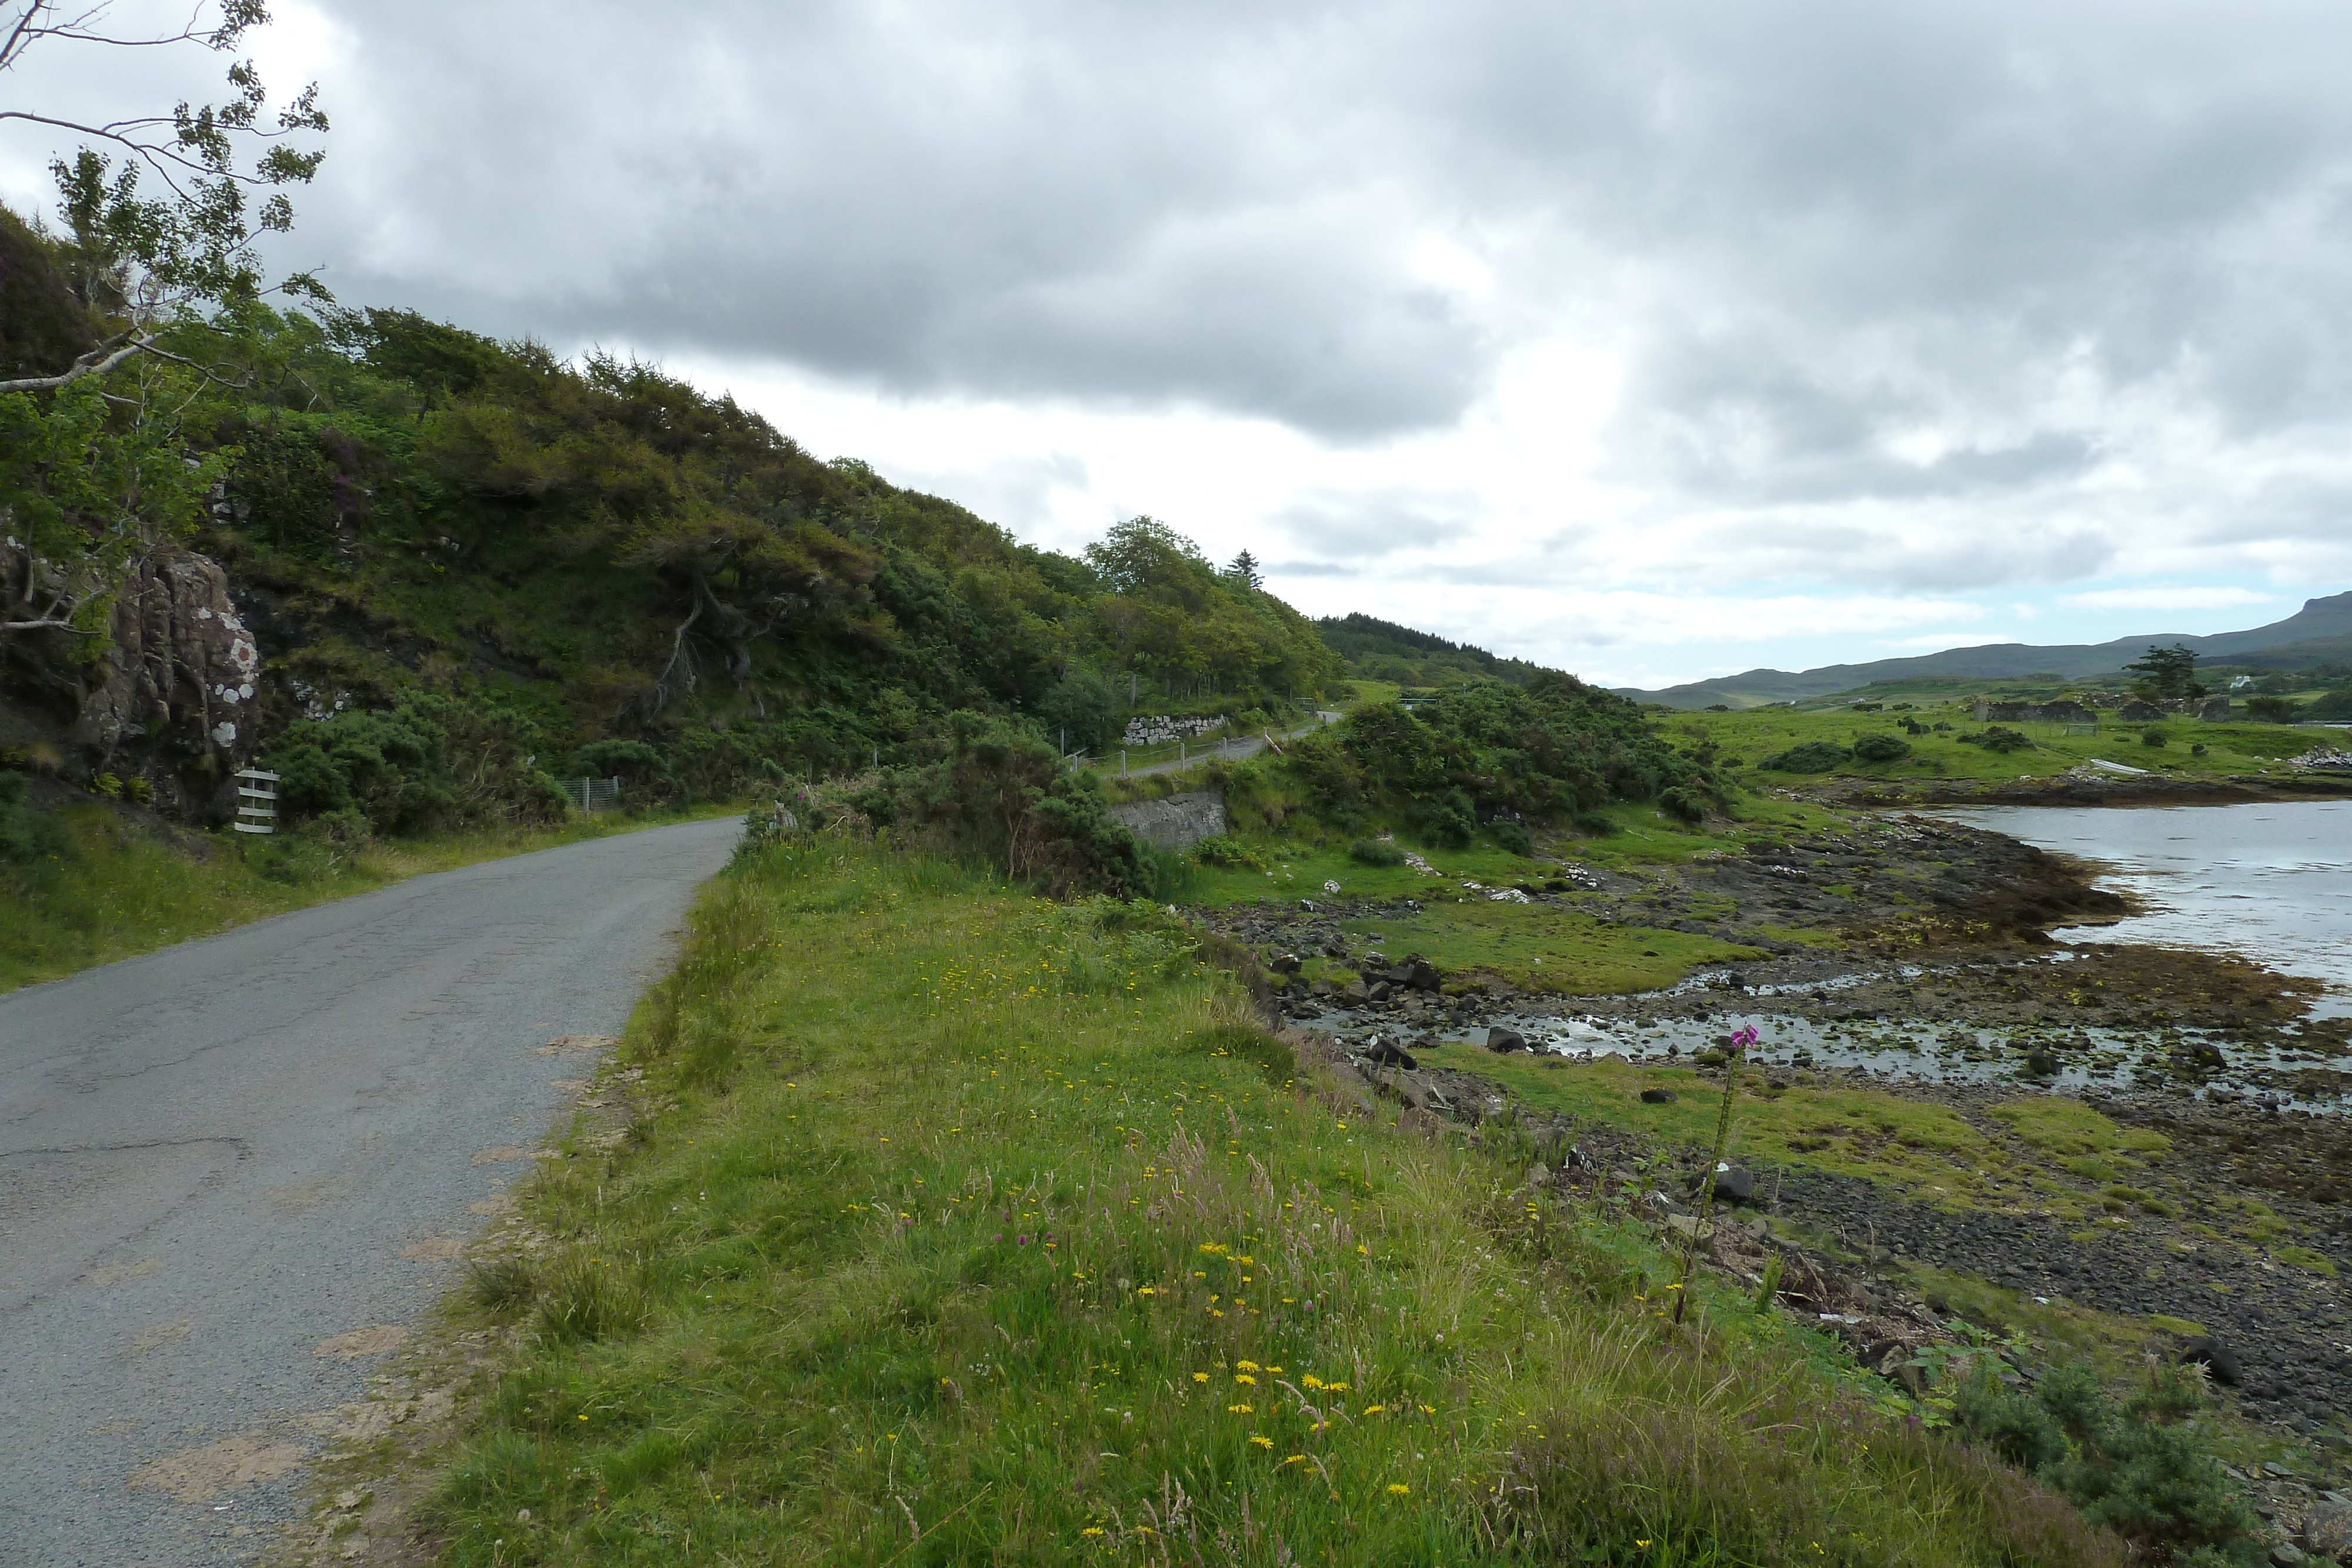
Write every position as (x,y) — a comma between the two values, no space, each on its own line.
(2066,1127)
(966,1228)
(1755,733)
(1541,950)
(125,892)
(1921,1149)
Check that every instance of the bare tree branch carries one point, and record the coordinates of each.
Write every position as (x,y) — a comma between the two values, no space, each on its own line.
(97,362)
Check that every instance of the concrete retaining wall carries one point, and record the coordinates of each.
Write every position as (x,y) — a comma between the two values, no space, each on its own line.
(1174,821)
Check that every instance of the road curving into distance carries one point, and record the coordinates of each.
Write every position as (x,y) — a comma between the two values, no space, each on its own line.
(235,1173)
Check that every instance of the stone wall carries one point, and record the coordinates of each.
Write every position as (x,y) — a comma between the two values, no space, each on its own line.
(1174,821)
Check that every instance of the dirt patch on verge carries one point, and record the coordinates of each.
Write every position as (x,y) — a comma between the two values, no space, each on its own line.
(200,1475)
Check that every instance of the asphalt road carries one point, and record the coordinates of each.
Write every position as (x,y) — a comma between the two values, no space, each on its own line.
(232,1172)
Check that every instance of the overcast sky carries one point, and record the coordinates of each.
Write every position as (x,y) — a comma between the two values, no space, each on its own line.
(1652,340)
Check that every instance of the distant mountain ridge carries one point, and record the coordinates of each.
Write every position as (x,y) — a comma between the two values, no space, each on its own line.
(2321,630)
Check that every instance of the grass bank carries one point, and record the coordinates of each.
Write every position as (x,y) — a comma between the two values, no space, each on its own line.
(122,890)
(956,1227)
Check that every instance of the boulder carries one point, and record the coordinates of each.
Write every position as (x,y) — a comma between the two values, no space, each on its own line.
(1734,1183)
(1657,1096)
(1385,1053)
(2326,1530)
(1284,963)
(2139,712)
(2214,710)
(2220,1362)
(1425,977)
(2042,1063)
(1502,1039)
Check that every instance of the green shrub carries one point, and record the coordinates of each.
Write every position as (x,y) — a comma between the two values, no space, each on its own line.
(1515,837)
(1881,748)
(1229,853)
(998,793)
(2143,1468)
(1371,851)
(28,837)
(1446,823)
(2272,710)
(431,763)
(2154,737)
(1812,757)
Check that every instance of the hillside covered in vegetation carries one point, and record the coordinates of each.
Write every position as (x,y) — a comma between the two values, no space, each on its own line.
(1377,650)
(467,565)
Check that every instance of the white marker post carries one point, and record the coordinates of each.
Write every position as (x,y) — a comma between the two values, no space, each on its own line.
(257,799)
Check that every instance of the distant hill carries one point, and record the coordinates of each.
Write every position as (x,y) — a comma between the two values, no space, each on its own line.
(2320,632)
(1377,650)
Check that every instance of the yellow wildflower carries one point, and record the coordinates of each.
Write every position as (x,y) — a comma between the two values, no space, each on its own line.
(1398,1489)
(1374,1409)
(1247,1366)
(1199,1377)
(1311,1381)
(1243,1377)
(1240,1410)
(1146,1290)
(1262,1442)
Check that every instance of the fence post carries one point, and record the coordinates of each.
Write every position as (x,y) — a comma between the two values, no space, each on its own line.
(257,798)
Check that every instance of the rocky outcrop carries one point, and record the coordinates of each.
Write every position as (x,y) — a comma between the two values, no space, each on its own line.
(174,700)
(1173,821)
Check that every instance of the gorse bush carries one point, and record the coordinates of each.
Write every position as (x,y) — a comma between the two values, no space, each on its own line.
(1545,752)
(1228,852)
(432,763)
(29,839)
(2142,1467)
(1373,852)
(1812,757)
(998,793)
(1881,748)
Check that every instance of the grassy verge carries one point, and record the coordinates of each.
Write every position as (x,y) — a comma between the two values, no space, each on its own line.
(960,1228)
(123,891)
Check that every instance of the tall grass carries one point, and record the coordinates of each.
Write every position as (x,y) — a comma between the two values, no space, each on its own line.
(969,1228)
(119,891)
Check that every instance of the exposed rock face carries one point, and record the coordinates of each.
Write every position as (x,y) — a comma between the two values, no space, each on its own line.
(175,698)
(1174,821)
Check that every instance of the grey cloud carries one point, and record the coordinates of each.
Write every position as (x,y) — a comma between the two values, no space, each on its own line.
(1812,228)
(1368,527)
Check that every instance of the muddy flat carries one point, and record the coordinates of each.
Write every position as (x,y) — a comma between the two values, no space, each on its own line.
(233,1175)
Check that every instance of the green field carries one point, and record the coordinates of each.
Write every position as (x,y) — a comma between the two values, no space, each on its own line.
(2190,748)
